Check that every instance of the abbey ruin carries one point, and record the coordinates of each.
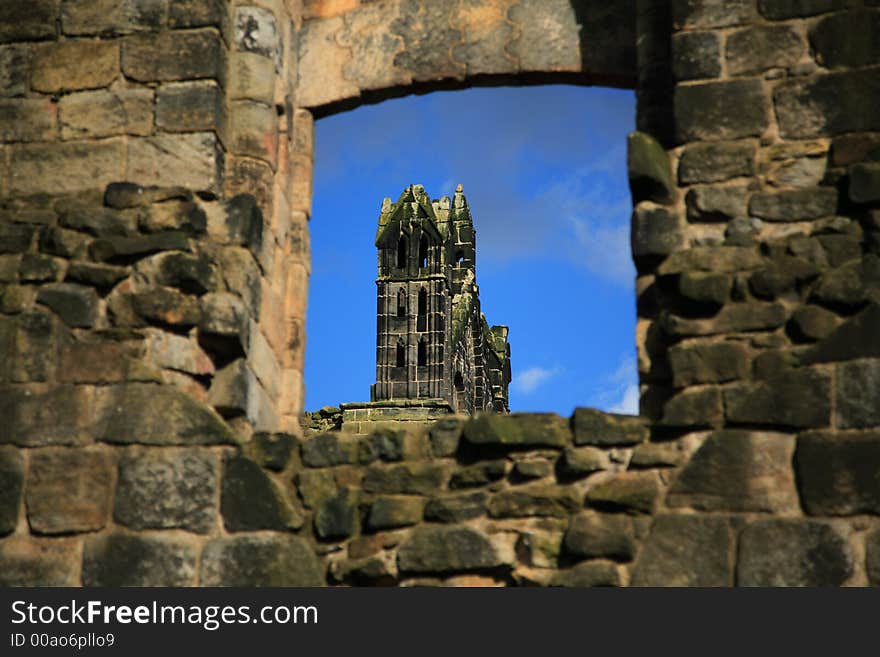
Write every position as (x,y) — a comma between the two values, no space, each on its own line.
(156,164)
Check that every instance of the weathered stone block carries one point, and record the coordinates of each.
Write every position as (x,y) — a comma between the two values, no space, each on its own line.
(650,177)
(595,427)
(337,517)
(716,161)
(796,398)
(694,407)
(39,562)
(61,242)
(177,55)
(66,166)
(256,30)
(829,104)
(782,274)
(792,552)
(858,394)
(100,222)
(711,13)
(260,560)
(406,478)
(540,500)
(864,182)
(656,231)
(68,490)
(716,203)
(334,448)
(720,110)
(98,362)
(633,492)
(244,222)
(93,114)
(696,55)
(190,106)
(167,489)
(37,268)
(314,486)
(11,485)
(163,305)
(192,160)
(222,314)
(33,21)
(250,500)
(447,549)
(114,560)
(60,66)
(794,205)
(14,69)
(845,39)
(15,238)
(456,508)
(837,472)
(395,511)
(536,468)
(28,120)
(157,415)
(715,362)
(197,13)
(592,535)
(124,195)
(236,391)
(45,415)
(687,550)
(478,475)
(713,259)
(272,450)
(593,573)
(128,248)
(738,471)
(872,557)
(760,47)
(811,322)
(112,17)
(252,77)
(732,318)
(517,430)
(253,130)
(188,273)
(656,455)
(76,305)
(581,461)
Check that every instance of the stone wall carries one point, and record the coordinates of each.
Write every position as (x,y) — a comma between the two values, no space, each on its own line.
(156,164)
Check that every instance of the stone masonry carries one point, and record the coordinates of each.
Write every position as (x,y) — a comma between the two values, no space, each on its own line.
(156,163)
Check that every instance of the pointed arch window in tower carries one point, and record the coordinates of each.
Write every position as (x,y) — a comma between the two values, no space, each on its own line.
(401,303)
(459,258)
(401,252)
(401,354)
(423,252)
(423,352)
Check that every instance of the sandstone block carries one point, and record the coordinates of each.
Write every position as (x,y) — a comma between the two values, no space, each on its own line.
(794,205)
(632,492)
(76,305)
(190,106)
(11,486)
(253,130)
(260,560)
(447,549)
(68,490)
(161,489)
(407,478)
(252,77)
(337,517)
(66,167)
(250,500)
(39,561)
(541,500)
(717,203)
(390,512)
(191,160)
(758,48)
(594,427)
(518,430)
(687,550)
(720,110)
(715,362)
(170,56)
(28,119)
(716,161)
(581,461)
(480,474)
(864,182)
(656,231)
(45,415)
(456,508)
(711,13)
(792,552)
(694,407)
(14,69)
(858,394)
(593,573)
(118,559)
(696,55)
(92,114)
(837,472)
(74,64)
(591,535)
(797,398)
(112,17)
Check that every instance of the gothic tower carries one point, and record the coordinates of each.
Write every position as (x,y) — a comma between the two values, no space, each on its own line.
(432,340)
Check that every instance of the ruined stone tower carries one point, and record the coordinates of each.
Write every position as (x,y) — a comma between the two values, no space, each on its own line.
(432,341)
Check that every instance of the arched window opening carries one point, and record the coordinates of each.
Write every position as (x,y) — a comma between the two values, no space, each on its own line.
(423,352)
(423,252)
(401,303)
(422,320)
(401,354)
(401,253)
(459,258)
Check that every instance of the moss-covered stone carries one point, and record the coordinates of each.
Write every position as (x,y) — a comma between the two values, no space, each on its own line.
(518,430)
(594,427)
(408,478)
(650,177)
(479,474)
(632,492)
(390,512)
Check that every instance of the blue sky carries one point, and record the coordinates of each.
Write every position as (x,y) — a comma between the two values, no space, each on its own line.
(544,172)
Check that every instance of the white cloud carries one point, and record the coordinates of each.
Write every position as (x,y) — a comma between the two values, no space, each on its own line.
(619,390)
(527,381)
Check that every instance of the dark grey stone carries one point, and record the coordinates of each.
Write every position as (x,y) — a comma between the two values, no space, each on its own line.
(656,231)
(720,110)
(337,517)
(167,490)
(446,549)
(589,574)
(799,398)
(260,560)
(847,38)
(478,475)
(696,55)
(11,486)
(595,427)
(761,47)
(716,162)
(517,430)
(115,560)
(792,552)
(777,10)
(456,508)
(716,362)
(250,500)
(864,182)
(837,472)
(391,512)
(76,305)
(794,205)
(687,550)
(542,501)
(632,492)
